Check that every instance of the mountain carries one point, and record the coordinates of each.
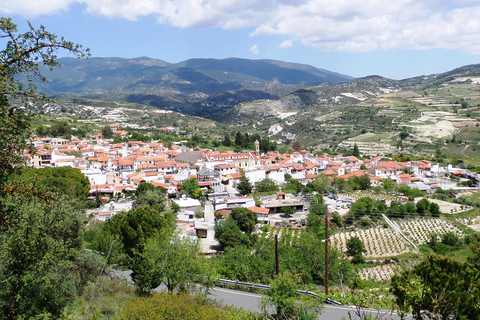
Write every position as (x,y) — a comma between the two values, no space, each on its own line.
(202,87)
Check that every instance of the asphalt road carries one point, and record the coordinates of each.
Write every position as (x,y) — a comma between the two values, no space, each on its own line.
(252,302)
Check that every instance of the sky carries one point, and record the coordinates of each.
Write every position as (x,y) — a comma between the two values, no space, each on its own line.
(395,39)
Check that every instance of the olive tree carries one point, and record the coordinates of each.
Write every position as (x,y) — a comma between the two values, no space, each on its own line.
(40,232)
(23,54)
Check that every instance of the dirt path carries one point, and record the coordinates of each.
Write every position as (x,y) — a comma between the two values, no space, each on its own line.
(466,146)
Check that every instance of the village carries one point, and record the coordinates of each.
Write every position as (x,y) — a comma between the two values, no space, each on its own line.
(115,169)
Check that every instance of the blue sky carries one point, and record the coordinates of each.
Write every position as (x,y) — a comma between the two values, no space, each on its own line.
(397,40)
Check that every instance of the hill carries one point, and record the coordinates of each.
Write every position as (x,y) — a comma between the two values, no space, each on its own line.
(372,112)
(202,87)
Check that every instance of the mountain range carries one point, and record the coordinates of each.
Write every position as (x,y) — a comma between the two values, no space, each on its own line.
(186,86)
(285,101)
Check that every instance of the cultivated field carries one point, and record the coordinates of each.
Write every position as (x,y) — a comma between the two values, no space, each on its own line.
(383,242)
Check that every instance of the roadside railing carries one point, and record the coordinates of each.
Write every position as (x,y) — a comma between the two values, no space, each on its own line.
(266,287)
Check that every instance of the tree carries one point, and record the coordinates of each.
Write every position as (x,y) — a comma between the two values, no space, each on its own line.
(434,209)
(388,184)
(288,304)
(190,186)
(423,206)
(142,187)
(360,183)
(287,211)
(239,139)
(23,54)
(440,286)
(65,180)
(321,183)
(266,185)
(107,132)
(133,228)
(151,198)
(40,238)
(226,140)
(244,186)
(362,206)
(99,238)
(229,234)
(317,209)
(356,151)
(355,246)
(340,184)
(404,135)
(316,225)
(39,231)
(296,146)
(175,262)
(245,219)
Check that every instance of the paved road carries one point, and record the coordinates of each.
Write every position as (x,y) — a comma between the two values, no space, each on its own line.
(251,302)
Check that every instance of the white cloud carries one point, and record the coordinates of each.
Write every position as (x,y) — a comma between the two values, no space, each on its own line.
(345,25)
(286,44)
(30,9)
(254,49)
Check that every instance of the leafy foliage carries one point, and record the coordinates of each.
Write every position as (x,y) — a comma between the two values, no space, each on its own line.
(40,232)
(287,211)
(360,183)
(355,246)
(288,304)
(154,199)
(245,219)
(180,306)
(303,256)
(14,132)
(244,186)
(65,180)
(441,286)
(22,55)
(175,262)
(190,187)
(321,183)
(266,185)
(228,233)
(107,132)
(40,238)
(133,229)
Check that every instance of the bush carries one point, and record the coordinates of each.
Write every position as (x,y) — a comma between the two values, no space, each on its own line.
(177,306)
(358,259)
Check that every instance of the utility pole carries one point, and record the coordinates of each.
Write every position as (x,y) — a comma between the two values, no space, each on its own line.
(326,249)
(277,267)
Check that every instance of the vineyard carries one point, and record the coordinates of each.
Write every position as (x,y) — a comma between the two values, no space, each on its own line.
(375,196)
(285,234)
(420,230)
(383,242)
(379,242)
(378,273)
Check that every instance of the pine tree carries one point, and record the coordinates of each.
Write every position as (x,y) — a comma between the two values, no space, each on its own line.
(356,151)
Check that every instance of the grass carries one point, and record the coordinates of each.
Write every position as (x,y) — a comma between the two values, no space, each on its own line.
(109,299)
(462,255)
(475,197)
